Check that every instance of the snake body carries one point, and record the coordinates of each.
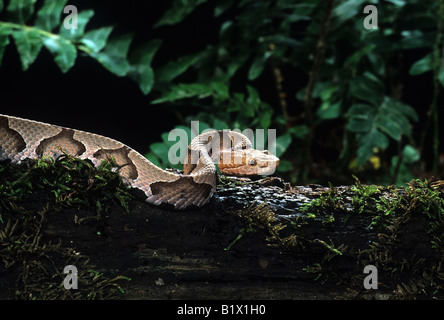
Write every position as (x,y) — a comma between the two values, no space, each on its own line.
(21,139)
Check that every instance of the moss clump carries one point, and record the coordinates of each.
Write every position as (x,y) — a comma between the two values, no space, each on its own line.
(72,182)
(344,229)
(33,193)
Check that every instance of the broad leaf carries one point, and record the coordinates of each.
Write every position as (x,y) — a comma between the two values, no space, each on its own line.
(367,88)
(186,90)
(29,43)
(360,118)
(404,109)
(82,20)
(441,75)
(423,65)
(21,10)
(356,57)
(64,52)
(411,154)
(389,126)
(95,40)
(4,40)
(394,118)
(264,118)
(160,149)
(179,10)
(48,17)
(282,144)
(140,65)
(368,142)
(253,96)
(299,131)
(347,10)
(359,125)
(329,111)
(220,90)
(114,57)
(174,69)
(257,66)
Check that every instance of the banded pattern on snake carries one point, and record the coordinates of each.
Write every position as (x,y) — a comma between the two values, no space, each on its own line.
(21,139)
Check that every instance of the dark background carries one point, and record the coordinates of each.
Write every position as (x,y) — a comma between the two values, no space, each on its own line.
(90,98)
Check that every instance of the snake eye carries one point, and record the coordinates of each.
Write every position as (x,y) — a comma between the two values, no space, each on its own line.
(252,162)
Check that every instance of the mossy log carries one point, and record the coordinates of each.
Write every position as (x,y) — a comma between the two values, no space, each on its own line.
(259,239)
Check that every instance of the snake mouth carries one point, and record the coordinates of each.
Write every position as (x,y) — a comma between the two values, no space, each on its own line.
(260,168)
(268,169)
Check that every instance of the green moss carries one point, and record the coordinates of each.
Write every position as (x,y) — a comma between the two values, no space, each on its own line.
(32,193)
(71,181)
(399,230)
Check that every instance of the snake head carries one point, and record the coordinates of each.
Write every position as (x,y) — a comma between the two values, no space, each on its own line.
(248,162)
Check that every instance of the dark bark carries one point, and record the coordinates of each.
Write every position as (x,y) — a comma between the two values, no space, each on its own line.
(235,248)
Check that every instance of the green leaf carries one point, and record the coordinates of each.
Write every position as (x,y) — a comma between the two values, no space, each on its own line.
(358,55)
(253,96)
(329,111)
(414,39)
(114,56)
(257,66)
(423,65)
(96,39)
(1,5)
(82,20)
(402,108)
(174,69)
(220,90)
(265,118)
(284,165)
(398,3)
(186,90)
(393,118)
(29,43)
(179,10)
(221,7)
(4,40)
(236,63)
(281,144)
(299,131)
(21,10)
(368,142)
(360,118)
(359,125)
(367,88)
(411,154)
(440,74)
(48,17)
(140,65)
(64,52)
(347,10)
(389,126)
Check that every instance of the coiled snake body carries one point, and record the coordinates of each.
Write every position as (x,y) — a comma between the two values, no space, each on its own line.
(22,138)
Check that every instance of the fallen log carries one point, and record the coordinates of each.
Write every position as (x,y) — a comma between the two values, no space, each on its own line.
(259,239)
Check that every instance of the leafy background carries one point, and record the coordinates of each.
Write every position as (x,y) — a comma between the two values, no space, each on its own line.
(344,100)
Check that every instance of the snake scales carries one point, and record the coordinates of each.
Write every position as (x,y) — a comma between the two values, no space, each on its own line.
(22,138)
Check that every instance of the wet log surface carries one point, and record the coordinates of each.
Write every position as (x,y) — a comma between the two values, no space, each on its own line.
(252,241)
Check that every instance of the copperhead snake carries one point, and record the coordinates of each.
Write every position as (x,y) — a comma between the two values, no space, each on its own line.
(21,139)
